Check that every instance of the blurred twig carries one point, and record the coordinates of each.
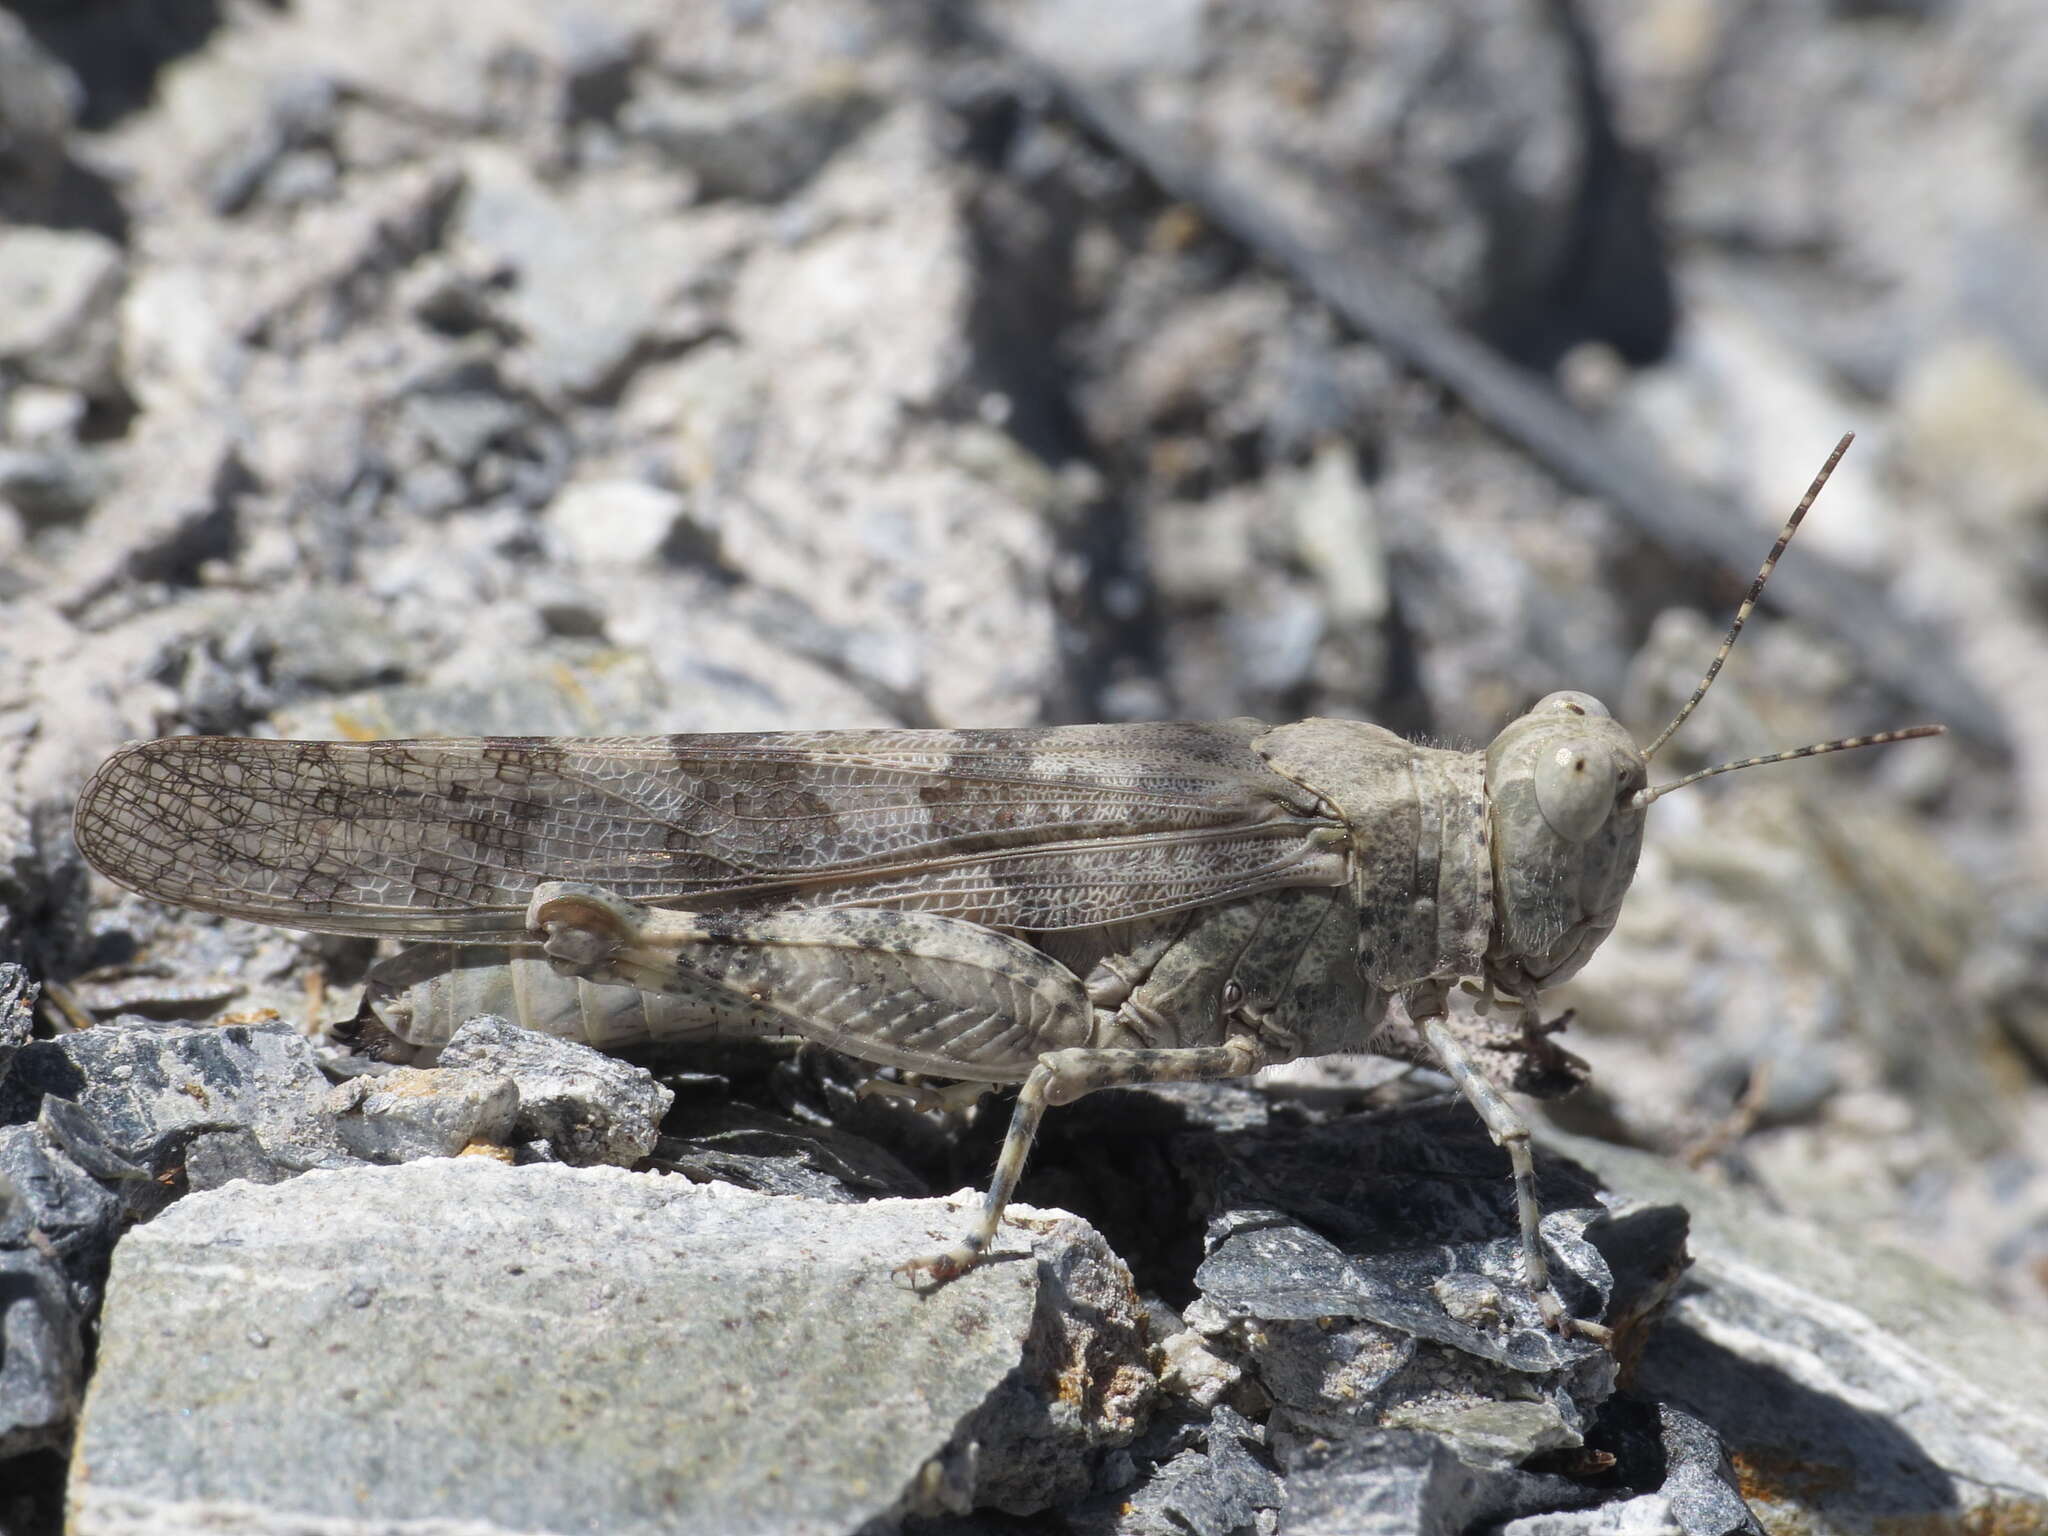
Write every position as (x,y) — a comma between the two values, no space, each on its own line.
(1381,302)
(1736,1124)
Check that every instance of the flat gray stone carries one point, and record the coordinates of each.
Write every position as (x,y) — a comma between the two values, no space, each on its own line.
(164,525)
(463,1345)
(1854,1385)
(39,101)
(571,691)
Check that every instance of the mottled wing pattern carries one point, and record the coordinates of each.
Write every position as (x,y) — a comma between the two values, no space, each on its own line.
(1032,829)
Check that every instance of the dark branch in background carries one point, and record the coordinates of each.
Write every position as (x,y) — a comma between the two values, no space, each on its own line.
(1382,303)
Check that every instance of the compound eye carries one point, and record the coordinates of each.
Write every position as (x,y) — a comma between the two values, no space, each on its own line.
(1570,702)
(1576,787)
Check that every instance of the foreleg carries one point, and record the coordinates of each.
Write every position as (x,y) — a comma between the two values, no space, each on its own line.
(1510,1133)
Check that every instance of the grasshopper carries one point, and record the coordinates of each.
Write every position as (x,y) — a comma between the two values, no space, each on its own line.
(1066,908)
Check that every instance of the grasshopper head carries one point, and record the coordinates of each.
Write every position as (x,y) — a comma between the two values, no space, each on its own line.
(1564,826)
(1566,794)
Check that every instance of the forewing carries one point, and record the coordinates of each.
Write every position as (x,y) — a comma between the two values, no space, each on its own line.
(1060,827)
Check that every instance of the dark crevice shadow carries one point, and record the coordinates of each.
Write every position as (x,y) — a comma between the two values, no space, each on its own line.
(1024,226)
(116,48)
(1611,278)
(66,195)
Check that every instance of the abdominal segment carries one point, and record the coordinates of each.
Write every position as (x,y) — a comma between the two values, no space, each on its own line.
(426,992)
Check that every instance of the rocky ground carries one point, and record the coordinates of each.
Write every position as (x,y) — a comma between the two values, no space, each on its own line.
(652,366)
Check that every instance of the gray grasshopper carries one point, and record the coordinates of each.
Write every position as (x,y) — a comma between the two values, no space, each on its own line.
(1067,908)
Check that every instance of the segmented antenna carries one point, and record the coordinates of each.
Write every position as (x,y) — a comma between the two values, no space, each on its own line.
(1756,589)
(1645,796)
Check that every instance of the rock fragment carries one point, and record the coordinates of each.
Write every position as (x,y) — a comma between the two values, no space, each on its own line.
(1203,1479)
(1396,1482)
(415,1112)
(154,1096)
(17,1011)
(614,522)
(588,1107)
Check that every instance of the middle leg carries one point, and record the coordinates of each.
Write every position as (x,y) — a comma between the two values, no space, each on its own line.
(1060,1078)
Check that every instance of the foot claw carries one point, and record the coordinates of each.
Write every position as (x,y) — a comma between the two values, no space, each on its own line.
(941,1268)
(1559,1320)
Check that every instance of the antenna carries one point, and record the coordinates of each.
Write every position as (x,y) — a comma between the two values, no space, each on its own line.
(1756,589)
(1645,796)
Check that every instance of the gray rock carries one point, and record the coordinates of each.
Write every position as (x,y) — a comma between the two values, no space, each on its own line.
(1693,1489)
(18,993)
(458,425)
(580,335)
(1378,1217)
(301,110)
(164,525)
(1403,1483)
(1853,1385)
(42,1349)
(38,100)
(761,144)
(614,521)
(350,255)
(412,1112)
(81,1138)
(54,484)
(1470,119)
(143,1094)
(179,968)
(1416,1315)
(772,1154)
(1344,1342)
(1699,1484)
(72,1215)
(566,690)
(214,1158)
(588,1107)
(550,1348)
(321,642)
(57,1228)
(1261,1264)
(60,296)
(1209,1479)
